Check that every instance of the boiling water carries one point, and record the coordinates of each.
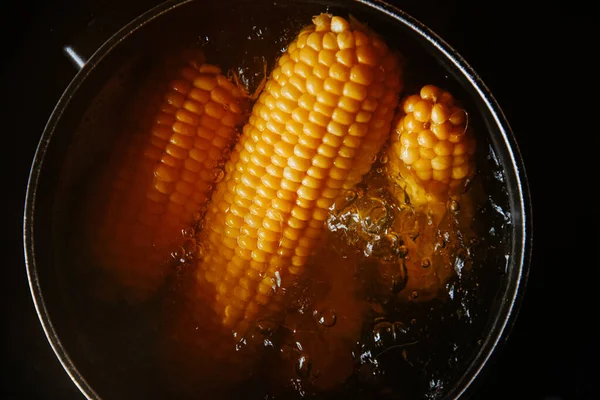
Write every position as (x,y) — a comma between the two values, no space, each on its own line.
(394,304)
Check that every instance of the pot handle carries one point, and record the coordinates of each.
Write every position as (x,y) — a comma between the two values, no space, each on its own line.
(112,16)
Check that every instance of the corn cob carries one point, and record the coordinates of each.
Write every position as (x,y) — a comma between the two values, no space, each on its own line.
(432,153)
(431,157)
(314,132)
(164,175)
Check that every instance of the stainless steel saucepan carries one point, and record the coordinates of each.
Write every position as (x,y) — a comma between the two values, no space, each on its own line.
(103,350)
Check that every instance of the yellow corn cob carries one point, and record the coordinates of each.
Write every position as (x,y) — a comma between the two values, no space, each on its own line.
(164,175)
(432,152)
(314,132)
(431,157)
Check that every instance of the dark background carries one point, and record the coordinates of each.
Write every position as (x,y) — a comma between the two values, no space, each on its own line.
(538,60)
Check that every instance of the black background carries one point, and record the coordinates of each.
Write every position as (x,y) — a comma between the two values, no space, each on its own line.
(539,61)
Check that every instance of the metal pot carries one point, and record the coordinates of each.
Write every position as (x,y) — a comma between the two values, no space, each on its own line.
(73,141)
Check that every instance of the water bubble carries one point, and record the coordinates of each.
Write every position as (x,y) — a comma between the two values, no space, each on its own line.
(375,217)
(379,171)
(396,245)
(303,366)
(203,40)
(413,321)
(383,334)
(190,250)
(454,206)
(414,295)
(351,195)
(218,174)
(328,318)
(297,383)
(241,344)
(382,248)
(266,327)
(188,233)
(425,263)
(400,331)
(179,255)
(383,159)
(401,251)
(450,291)
(459,262)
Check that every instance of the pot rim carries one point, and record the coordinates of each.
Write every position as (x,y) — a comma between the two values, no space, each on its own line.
(510,307)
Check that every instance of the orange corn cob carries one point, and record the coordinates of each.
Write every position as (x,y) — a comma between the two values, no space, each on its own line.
(432,153)
(165,174)
(326,111)
(431,157)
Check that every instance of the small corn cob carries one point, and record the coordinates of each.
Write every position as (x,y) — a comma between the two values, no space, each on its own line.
(326,111)
(165,174)
(431,157)
(432,152)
